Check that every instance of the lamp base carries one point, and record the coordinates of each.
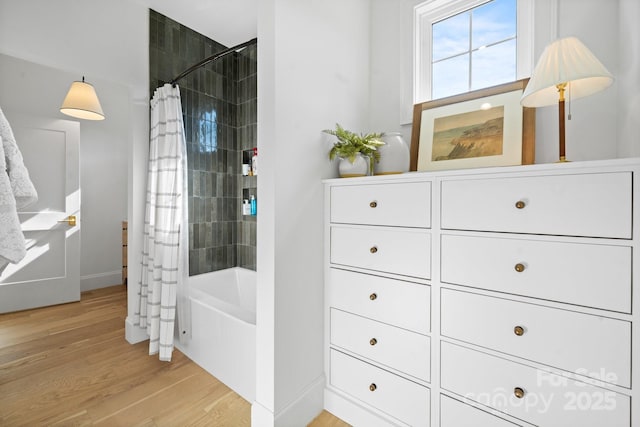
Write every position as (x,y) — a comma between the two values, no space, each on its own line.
(563,160)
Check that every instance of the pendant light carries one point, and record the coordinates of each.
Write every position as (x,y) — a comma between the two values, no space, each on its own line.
(82,102)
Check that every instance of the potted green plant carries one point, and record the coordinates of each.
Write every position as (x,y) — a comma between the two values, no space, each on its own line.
(354,151)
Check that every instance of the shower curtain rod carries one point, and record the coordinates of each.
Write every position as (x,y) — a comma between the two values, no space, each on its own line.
(212,58)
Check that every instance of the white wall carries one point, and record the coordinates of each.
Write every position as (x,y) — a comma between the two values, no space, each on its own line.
(387,64)
(313,72)
(603,125)
(107,40)
(391,89)
(628,80)
(62,41)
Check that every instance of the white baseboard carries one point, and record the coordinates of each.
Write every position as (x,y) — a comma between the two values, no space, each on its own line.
(305,408)
(134,334)
(261,416)
(300,412)
(355,414)
(100,280)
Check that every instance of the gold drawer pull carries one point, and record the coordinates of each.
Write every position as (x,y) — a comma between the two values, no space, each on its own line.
(71,220)
(518,392)
(373,249)
(520,204)
(519,267)
(518,330)
(373,204)
(373,341)
(373,387)
(373,296)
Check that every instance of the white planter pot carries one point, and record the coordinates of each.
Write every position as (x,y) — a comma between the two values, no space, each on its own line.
(359,167)
(394,155)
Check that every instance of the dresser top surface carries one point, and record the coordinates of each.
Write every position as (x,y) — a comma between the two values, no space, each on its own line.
(567,167)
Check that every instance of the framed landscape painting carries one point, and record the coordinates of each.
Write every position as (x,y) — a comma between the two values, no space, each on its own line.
(487,127)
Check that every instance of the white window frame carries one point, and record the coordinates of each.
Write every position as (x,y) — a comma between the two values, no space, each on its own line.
(432,11)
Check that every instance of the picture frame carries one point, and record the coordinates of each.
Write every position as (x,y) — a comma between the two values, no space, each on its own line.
(482,128)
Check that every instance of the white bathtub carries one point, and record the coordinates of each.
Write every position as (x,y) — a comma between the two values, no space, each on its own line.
(223,325)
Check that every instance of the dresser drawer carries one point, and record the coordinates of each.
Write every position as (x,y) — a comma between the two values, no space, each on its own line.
(598,204)
(393,250)
(454,413)
(548,400)
(393,347)
(400,398)
(406,204)
(576,342)
(396,302)
(566,272)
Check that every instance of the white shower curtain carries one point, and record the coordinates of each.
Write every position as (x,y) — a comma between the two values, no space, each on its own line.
(164,273)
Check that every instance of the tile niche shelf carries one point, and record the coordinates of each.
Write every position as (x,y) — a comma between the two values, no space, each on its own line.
(249,184)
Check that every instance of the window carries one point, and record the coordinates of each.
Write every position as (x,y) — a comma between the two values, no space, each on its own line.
(464,45)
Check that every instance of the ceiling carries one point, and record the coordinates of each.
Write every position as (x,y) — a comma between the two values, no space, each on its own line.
(229,22)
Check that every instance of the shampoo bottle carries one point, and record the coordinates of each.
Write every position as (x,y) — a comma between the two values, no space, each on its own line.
(254,205)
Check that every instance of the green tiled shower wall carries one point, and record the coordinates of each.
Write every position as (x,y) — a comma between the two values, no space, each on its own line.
(219,103)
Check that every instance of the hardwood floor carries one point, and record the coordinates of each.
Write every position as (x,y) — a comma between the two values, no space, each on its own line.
(69,365)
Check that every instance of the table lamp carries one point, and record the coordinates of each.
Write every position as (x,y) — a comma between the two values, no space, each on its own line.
(565,62)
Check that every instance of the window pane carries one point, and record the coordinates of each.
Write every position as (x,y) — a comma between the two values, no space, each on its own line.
(493,22)
(494,65)
(451,36)
(450,76)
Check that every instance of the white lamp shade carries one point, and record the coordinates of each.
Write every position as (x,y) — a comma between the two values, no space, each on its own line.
(82,102)
(569,61)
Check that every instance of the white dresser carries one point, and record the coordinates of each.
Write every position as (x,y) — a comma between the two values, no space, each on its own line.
(487,297)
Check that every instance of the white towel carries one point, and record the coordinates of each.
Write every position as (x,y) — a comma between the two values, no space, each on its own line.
(16,191)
